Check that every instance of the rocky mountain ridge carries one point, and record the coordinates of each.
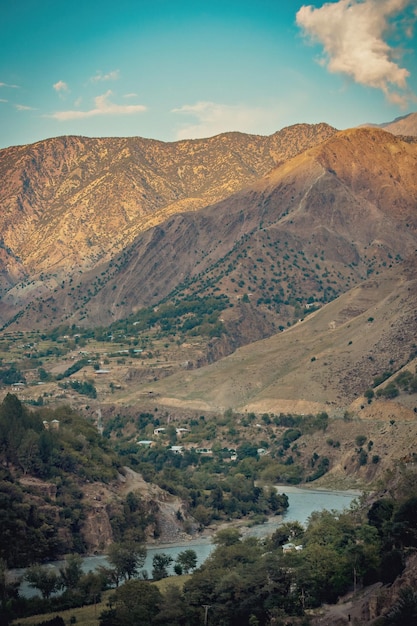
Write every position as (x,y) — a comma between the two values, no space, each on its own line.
(77,201)
(349,202)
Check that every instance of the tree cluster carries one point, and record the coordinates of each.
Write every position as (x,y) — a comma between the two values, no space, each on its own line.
(63,450)
(247,581)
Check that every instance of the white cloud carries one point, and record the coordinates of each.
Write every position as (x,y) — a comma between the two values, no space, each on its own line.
(352,33)
(60,86)
(213,119)
(10,86)
(23,107)
(103,106)
(100,77)
(3,100)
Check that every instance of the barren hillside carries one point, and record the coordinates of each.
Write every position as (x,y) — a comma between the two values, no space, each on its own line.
(322,363)
(69,202)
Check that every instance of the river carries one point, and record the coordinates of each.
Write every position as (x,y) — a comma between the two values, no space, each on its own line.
(302,502)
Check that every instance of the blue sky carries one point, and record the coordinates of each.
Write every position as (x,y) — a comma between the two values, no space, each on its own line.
(172,70)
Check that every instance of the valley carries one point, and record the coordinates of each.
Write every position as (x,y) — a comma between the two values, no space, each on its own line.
(203,320)
(289,289)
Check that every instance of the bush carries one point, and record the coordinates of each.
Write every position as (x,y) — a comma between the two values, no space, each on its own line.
(360,440)
(369,395)
(363,457)
(322,468)
(55,621)
(381,378)
(390,391)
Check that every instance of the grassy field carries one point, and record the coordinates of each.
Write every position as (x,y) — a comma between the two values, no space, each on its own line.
(89,615)
(83,616)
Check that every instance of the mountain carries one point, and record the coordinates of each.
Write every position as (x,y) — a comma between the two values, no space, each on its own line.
(406,125)
(336,225)
(274,228)
(72,202)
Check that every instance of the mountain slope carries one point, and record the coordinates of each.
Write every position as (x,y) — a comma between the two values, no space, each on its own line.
(309,231)
(69,202)
(322,363)
(317,225)
(405,125)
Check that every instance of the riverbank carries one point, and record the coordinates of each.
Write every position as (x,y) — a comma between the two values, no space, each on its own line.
(302,502)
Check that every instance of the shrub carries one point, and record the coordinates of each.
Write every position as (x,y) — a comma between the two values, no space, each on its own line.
(363,457)
(360,440)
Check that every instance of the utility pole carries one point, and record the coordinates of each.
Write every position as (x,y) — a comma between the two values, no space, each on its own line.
(206,608)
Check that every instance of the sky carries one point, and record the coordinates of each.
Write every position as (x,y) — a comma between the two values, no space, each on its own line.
(184,69)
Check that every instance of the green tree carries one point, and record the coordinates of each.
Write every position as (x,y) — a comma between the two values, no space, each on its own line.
(44,579)
(288,531)
(380,515)
(360,440)
(46,445)
(127,559)
(72,571)
(10,376)
(278,503)
(172,608)
(202,514)
(12,419)
(404,526)
(363,554)
(216,498)
(239,581)
(8,590)
(187,560)
(369,395)
(404,610)
(136,602)
(227,537)
(247,449)
(28,451)
(325,574)
(160,564)
(178,569)
(90,586)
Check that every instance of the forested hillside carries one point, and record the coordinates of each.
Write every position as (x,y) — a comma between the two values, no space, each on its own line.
(47,459)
